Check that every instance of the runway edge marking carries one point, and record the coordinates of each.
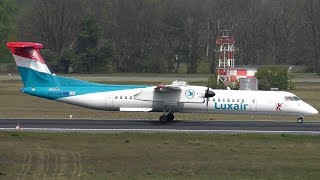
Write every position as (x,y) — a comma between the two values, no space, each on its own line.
(161,130)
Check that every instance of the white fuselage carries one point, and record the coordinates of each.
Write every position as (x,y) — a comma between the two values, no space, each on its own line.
(225,101)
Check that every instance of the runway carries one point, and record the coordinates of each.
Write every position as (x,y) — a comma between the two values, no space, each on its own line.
(87,125)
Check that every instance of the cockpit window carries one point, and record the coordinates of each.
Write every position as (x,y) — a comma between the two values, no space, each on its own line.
(296,98)
(291,98)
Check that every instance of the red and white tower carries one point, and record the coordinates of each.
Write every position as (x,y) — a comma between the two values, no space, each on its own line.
(225,43)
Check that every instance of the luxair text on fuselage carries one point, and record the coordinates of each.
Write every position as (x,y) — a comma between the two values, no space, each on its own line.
(231,106)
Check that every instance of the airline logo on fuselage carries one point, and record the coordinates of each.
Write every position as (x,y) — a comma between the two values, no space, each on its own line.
(278,106)
(227,106)
(190,93)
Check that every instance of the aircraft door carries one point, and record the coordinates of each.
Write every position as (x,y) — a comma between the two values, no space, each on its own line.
(298,105)
(109,102)
(254,105)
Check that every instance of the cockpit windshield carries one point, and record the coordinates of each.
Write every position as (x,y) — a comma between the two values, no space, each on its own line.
(296,98)
(292,98)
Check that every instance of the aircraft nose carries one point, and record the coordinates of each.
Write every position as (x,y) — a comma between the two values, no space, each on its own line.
(314,111)
(308,109)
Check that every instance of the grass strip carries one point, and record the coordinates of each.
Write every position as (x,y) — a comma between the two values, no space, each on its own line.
(35,155)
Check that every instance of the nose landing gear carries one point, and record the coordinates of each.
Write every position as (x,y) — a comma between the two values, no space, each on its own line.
(300,119)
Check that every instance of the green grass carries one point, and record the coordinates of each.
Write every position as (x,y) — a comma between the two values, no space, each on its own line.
(27,155)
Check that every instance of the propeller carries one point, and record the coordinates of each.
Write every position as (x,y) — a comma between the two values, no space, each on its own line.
(208,94)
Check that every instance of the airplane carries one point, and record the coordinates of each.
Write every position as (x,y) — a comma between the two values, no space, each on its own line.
(169,99)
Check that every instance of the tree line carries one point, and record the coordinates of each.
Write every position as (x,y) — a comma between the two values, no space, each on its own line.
(163,35)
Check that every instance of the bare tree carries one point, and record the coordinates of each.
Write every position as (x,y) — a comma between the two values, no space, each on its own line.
(160,35)
(52,22)
(312,27)
(281,29)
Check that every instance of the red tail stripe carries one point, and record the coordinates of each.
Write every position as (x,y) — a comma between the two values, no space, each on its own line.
(26,49)
(24,45)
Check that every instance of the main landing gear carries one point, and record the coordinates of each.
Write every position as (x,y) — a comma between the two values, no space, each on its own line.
(166,117)
(300,119)
(167,114)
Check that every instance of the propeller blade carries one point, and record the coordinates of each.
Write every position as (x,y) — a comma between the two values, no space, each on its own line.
(208,93)
(207,102)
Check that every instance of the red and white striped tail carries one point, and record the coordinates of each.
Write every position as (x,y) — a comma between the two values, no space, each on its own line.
(27,55)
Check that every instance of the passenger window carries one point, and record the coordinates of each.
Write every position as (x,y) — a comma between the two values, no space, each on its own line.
(125,97)
(120,97)
(243,100)
(213,99)
(116,97)
(228,100)
(238,100)
(219,100)
(130,97)
(232,100)
(223,100)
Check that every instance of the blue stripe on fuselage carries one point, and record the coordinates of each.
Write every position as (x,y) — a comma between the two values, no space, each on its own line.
(61,92)
(53,87)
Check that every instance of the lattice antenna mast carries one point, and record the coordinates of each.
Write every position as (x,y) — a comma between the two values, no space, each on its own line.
(225,42)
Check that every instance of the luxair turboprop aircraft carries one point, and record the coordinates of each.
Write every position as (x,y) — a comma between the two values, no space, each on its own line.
(176,97)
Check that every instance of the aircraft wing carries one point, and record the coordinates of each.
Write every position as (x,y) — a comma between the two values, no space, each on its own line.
(177,92)
(161,93)
(167,88)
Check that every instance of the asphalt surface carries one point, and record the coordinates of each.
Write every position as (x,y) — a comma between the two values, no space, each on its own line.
(87,125)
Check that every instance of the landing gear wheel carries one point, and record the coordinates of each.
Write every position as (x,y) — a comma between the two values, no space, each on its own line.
(300,120)
(163,119)
(170,117)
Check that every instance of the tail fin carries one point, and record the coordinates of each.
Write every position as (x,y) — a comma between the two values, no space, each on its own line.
(31,66)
